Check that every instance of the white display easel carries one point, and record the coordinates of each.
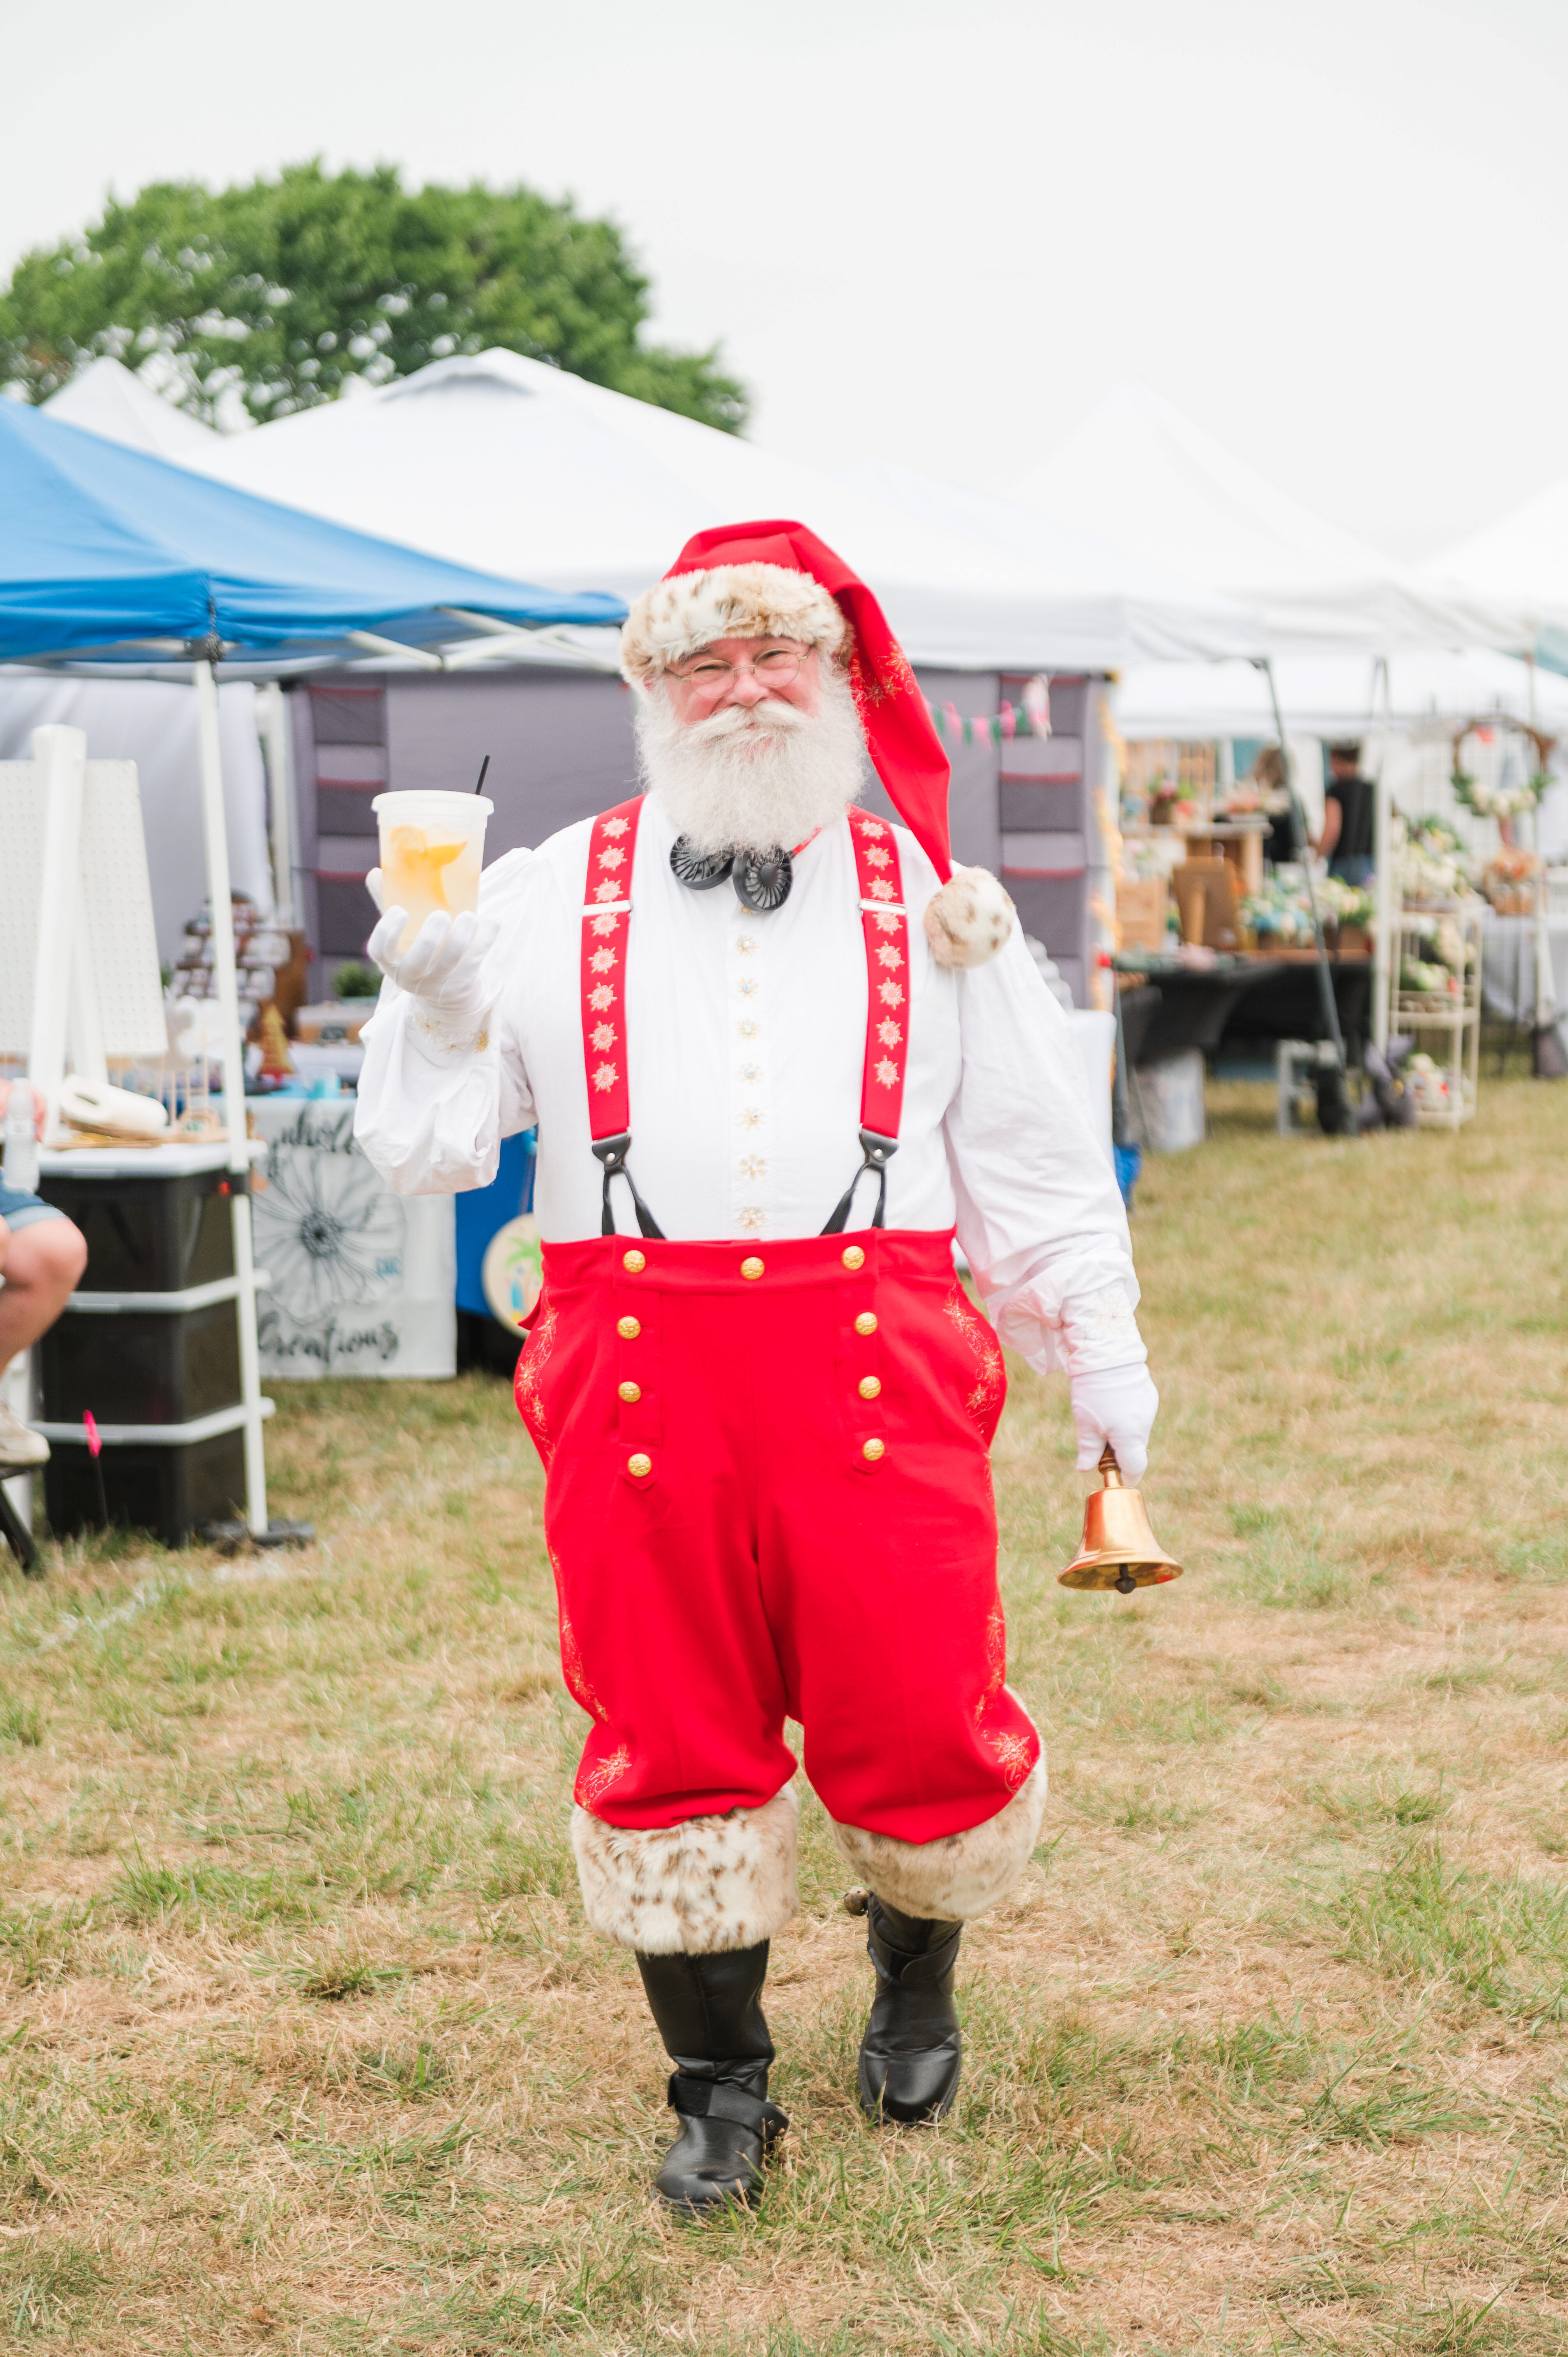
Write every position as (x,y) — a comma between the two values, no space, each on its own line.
(79,954)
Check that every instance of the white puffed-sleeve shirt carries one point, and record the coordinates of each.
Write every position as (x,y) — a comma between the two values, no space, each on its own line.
(746,1037)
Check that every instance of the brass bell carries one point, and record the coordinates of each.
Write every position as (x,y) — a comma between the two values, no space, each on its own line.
(1119,1548)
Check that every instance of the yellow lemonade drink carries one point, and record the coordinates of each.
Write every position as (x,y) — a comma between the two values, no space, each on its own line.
(432,846)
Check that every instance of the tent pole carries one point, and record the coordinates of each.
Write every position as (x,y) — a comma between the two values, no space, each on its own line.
(274,731)
(1298,828)
(1382,873)
(1545,1056)
(216,836)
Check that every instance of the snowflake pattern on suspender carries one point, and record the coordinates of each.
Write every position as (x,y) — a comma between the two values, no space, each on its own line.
(607,918)
(886,927)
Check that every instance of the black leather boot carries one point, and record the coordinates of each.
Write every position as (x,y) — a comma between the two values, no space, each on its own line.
(912,2050)
(708,2011)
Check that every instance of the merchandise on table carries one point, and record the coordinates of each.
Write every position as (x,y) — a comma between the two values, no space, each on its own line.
(1509,880)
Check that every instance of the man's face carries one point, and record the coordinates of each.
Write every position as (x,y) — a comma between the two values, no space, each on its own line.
(751,741)
(741,674)
(1339,767)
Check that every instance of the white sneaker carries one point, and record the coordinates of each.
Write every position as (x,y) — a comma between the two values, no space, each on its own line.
(20,1446)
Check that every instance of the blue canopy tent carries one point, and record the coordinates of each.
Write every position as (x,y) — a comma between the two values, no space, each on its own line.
(110,556)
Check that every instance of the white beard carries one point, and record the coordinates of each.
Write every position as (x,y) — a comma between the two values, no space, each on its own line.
(751,780)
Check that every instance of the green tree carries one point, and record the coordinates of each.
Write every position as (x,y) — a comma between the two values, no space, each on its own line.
(285,289)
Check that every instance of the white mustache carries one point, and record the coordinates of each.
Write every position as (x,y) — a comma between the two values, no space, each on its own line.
(772,774)
(771,718)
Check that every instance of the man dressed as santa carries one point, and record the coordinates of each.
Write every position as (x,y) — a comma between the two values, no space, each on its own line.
(777,1050)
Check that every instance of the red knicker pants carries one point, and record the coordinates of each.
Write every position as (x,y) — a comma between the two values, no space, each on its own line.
(770,1497)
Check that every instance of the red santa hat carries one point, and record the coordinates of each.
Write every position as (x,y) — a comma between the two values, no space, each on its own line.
(778,580)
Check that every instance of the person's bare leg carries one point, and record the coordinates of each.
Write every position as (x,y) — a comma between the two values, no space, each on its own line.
(41,1264)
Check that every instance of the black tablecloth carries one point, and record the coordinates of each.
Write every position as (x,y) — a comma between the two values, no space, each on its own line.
(1212,1007)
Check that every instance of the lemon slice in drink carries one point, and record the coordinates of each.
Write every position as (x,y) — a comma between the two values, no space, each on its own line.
(414,866)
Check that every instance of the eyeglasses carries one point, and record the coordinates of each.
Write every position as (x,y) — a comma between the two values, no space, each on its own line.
(776,668)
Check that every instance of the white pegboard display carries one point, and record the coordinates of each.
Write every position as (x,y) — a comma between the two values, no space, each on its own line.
(21,866)
(117,908)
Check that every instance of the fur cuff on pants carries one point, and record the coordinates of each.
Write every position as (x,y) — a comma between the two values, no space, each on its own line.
(695,1889)
(962,1876)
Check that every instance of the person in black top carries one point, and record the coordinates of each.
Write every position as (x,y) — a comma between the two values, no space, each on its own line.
(1346,841)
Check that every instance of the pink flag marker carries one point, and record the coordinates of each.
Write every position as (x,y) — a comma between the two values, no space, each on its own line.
(95,1450)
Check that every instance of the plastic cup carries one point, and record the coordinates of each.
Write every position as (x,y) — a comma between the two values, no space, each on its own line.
(432,846)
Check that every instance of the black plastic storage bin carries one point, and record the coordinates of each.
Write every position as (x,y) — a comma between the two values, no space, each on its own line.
(149,1345)
(147,1485)
(157,1235)
(140,1366)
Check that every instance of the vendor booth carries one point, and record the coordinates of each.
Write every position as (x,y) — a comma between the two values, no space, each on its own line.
(116,558)
(1363,647)
(1472,787)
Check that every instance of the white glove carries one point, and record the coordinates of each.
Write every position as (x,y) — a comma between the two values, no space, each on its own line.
(1116,1404)
(442,969)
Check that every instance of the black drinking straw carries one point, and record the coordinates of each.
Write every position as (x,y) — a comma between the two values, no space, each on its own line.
(484,765)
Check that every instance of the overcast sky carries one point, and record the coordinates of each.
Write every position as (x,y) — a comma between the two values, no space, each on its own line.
(936,230)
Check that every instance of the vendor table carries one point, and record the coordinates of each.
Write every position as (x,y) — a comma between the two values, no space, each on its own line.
(1247,996)
(362,1279)
(1192,1011)
(1508,964)
(1283,1001)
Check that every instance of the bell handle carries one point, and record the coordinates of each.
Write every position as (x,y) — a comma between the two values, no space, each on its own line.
(1109,1469)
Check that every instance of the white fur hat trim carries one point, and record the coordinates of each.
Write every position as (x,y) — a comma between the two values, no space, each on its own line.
(968,919)
(675,619)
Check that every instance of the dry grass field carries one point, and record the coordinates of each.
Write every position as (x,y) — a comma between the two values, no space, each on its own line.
(306,2047)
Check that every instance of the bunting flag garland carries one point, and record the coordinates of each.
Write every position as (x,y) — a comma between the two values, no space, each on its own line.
(996,728)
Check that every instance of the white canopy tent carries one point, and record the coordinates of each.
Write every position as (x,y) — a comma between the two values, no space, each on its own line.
(1143,474)
(1158,616)
(1407,710)
(1338,696)
(517,466)
(1523,557)
(108,398)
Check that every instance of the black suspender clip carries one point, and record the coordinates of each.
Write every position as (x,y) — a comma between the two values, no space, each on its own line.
(878,1152)
(612,1152)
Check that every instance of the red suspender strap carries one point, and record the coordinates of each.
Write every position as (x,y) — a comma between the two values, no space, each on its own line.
(607,916)
(886,929)
(885,925)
